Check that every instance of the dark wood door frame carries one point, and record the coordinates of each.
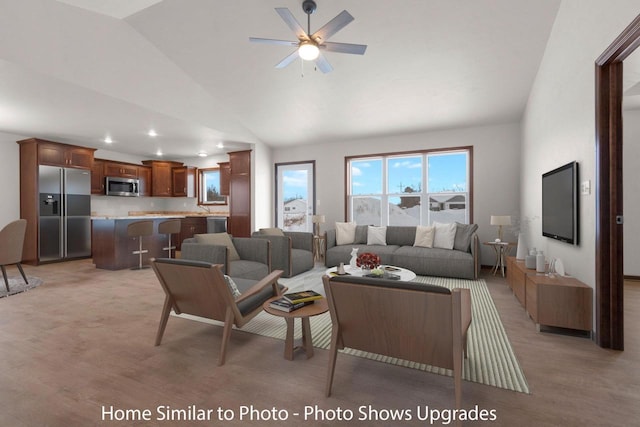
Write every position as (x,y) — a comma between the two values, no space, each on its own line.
(609,233)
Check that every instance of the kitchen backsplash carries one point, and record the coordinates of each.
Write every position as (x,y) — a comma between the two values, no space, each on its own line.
(120,206)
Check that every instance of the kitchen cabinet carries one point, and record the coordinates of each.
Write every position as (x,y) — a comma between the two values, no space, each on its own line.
(120,170)
(225,177)
(191,226)
(144,180)
(33,153)
(239,224)
(183,181)
(161,177)
(97,177)
(57,154)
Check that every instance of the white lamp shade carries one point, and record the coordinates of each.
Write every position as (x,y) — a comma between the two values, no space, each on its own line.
(308,51)
(317,219)
(500,219)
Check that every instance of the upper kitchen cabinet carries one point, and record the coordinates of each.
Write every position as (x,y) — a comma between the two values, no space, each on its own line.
(97,177)
(57,154)
(225,176)
(161,177)
(144,180)
(120,170)
(184,181)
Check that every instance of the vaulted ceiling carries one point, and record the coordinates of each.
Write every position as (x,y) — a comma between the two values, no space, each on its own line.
(80,70)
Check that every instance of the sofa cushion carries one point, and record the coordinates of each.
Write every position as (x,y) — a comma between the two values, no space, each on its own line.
(376,235)
(338,254)
(274,231)
(401,235)
(435,262)
(247,269)
(463,236)
(445,235)
(424,236)
(361,235)
(345,233)
(220,239)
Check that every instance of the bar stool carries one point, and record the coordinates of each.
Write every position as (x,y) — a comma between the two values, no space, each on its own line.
(169,227)
(140,229)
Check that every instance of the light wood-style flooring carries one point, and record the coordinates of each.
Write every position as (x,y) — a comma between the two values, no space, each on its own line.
(83,341)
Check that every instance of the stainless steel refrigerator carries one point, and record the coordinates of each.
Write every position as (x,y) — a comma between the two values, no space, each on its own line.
(65,213)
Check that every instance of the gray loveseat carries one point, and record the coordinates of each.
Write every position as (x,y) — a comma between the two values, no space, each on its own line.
(399,251)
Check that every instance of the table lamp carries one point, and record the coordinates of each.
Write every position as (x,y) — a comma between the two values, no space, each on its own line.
(317,220)
(500,220)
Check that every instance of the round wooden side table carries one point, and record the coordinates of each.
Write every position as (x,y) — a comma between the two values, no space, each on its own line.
(318,307)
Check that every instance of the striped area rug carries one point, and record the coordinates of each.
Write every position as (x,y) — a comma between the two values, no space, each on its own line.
(490,361)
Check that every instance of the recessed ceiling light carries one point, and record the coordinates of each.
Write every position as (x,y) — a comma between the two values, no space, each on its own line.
(152,133)
(220,145)
(108,140)
(202,154)
(159,153)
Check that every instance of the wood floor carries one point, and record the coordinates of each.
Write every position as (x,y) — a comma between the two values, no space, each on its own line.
(83,341)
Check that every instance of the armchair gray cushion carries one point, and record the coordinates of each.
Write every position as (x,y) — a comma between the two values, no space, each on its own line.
(291,253)
(254,262)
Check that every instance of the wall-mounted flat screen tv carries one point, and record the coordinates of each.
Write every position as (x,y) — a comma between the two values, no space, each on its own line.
(560,208)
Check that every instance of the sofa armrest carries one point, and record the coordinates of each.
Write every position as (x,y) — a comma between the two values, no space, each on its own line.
(258,250)
(280,251)
(301,240)
(330,239)
(214,254)
(475,252)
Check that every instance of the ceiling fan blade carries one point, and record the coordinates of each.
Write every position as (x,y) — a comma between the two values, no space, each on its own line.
(323,65)
(291,21)
(272,41)
(356,49)
(288,60)
(332,27)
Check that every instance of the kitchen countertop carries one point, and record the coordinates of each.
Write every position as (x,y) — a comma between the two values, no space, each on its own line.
(160,214)
(99,217)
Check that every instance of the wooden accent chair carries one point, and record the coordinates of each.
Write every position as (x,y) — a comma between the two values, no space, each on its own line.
(11,243)
(200,289)
(411,321)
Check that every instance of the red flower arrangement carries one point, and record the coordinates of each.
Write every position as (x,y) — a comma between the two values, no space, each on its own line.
(368,260)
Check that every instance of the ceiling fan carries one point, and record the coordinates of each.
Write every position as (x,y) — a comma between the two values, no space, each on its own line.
(308,46)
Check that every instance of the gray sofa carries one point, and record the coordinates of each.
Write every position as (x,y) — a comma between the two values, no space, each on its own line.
(254,262)
(291,253)
(400,252)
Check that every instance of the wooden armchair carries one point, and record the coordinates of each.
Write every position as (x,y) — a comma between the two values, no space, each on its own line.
(200,289)
(11,243)
(411,321)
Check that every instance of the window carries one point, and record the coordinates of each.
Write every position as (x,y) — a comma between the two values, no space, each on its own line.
(295,195)
(209,187)
(410,188)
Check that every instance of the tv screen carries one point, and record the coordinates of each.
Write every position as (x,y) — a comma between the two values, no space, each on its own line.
(560,203)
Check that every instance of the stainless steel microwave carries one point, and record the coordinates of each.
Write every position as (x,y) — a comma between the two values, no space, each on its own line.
(116,186)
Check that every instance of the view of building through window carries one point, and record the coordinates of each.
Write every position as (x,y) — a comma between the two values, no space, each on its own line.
(295,195)
(410,189)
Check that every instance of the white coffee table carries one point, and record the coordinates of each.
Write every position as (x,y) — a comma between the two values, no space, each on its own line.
(405,275)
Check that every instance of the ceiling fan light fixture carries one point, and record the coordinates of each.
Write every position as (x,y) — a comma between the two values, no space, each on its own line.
(308,51)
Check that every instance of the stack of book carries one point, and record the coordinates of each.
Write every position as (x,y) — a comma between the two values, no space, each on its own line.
(295,300)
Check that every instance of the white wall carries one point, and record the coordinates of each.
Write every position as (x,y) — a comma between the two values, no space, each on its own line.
(559,122)
(9,177)
(496,151)
(631,188)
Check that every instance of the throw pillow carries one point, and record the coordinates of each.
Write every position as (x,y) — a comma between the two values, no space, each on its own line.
(220,239)
(424,236)
(445,235)
(272,231)
(376,235)
(232,287)
(345,233)
(463,236)
(361,235)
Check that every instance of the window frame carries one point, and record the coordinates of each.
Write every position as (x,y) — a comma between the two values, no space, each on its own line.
(202,190)
(385,195)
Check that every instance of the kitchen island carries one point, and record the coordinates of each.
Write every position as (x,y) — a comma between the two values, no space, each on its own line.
(112,248)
